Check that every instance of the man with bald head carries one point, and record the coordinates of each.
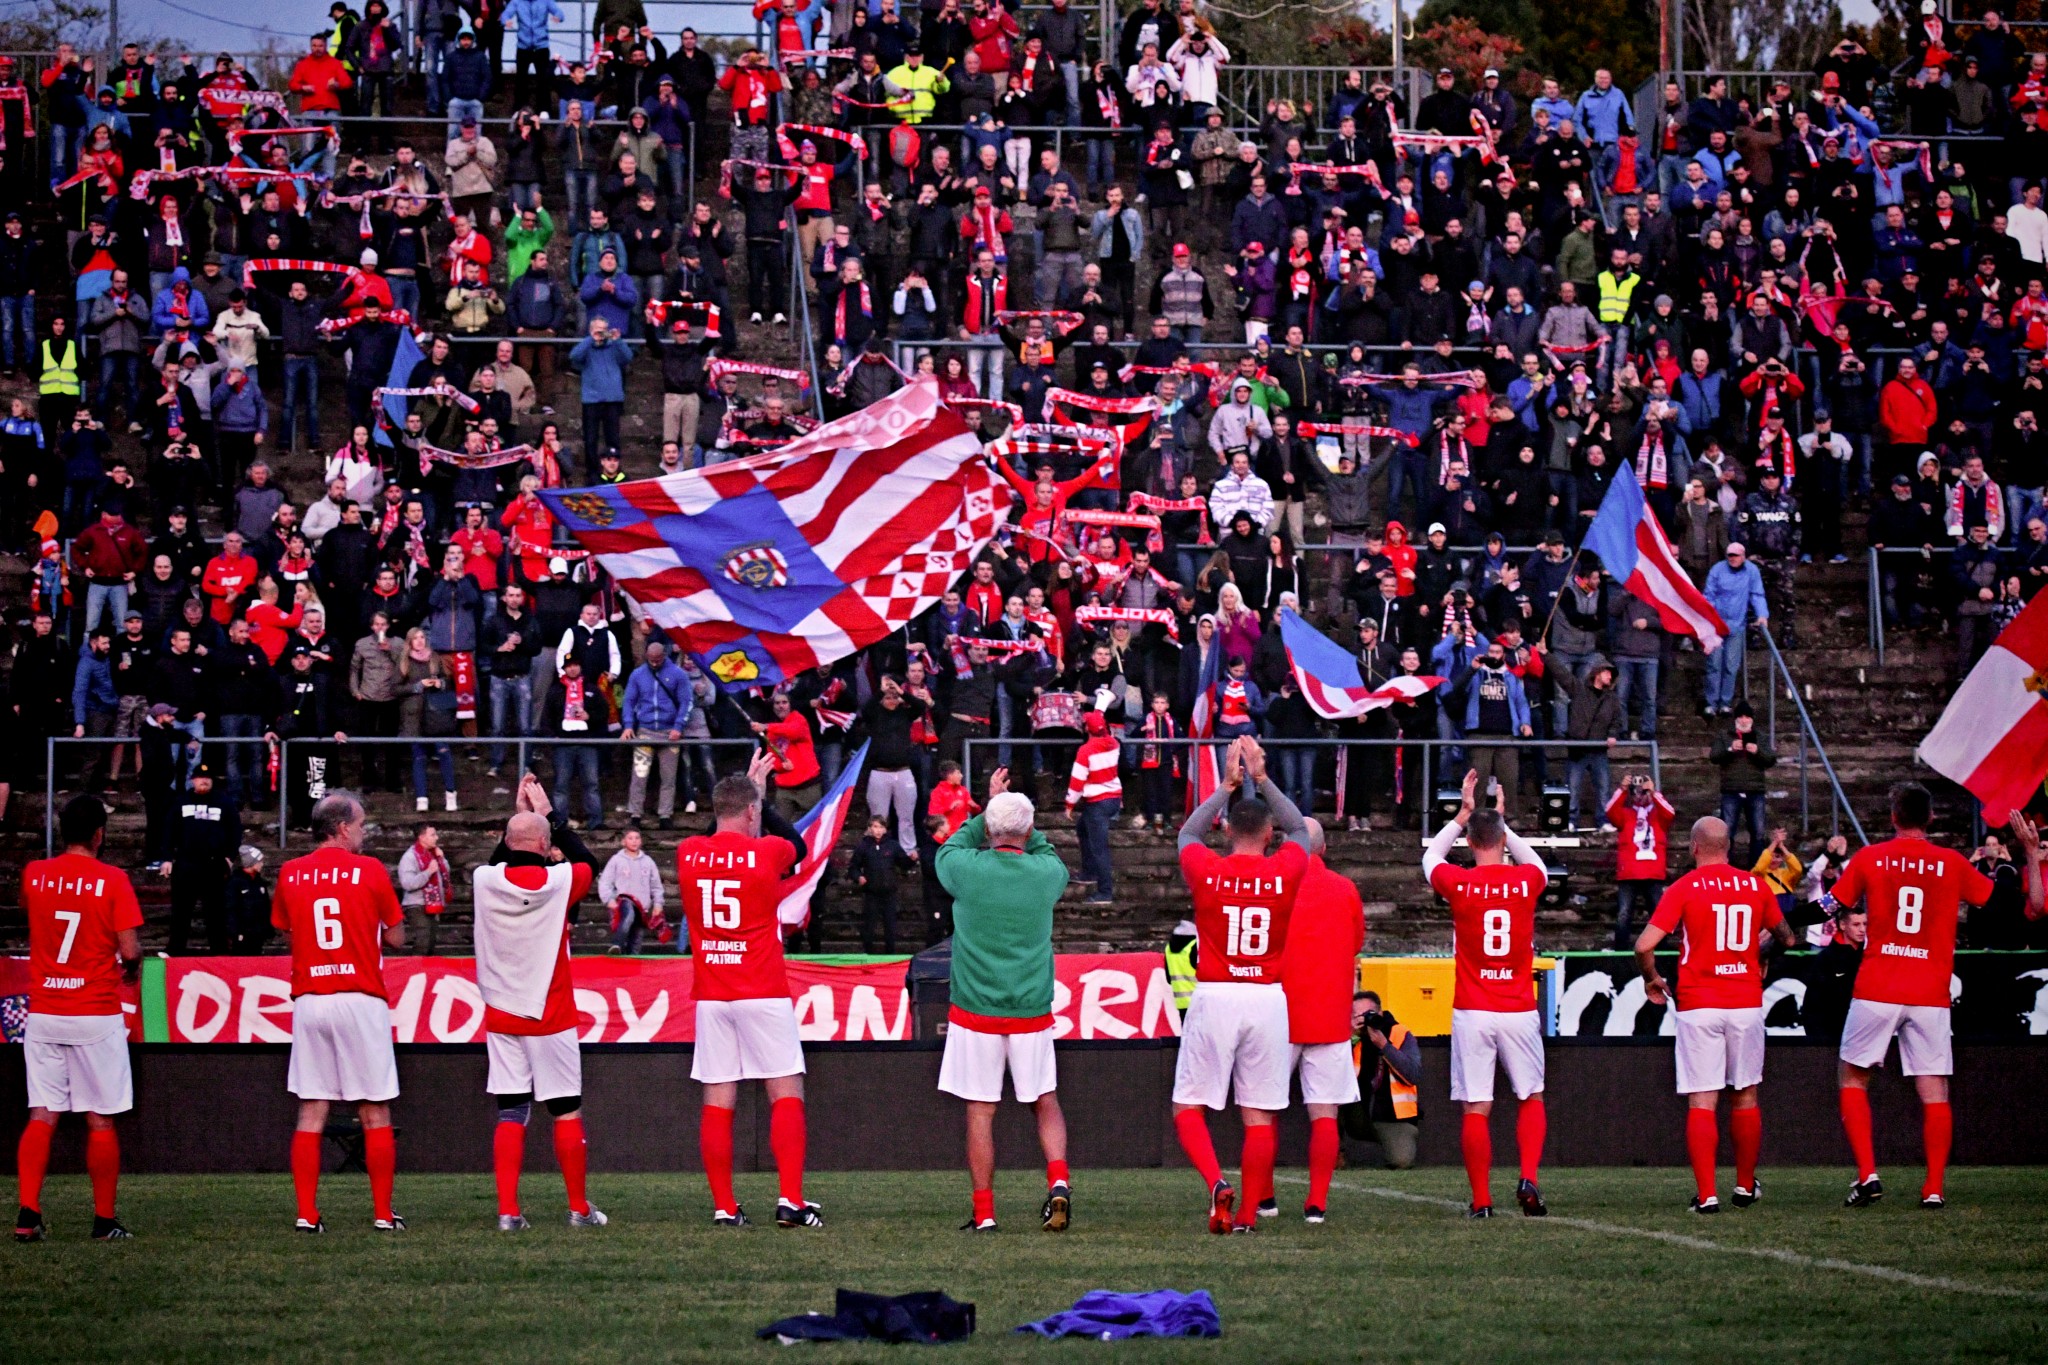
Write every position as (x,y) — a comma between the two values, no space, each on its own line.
(526,896)
(1724,912)
(1319,970)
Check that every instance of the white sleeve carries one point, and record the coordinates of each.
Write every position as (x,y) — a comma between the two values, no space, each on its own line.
(1525,856)
(1439,850)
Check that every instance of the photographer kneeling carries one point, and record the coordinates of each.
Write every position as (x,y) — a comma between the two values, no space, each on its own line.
(1391,1113)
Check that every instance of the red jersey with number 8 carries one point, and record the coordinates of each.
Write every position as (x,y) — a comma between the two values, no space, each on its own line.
(729,890)
(1242,905)
(1722,910)
(335,905)
(77,907)
(1493,933)
(1914,891)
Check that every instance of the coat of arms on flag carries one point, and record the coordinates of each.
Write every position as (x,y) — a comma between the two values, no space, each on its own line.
(777,563)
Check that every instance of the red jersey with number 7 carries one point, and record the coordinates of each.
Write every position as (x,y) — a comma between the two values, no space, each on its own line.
(77,907)
(335,905)
(1914,891)
(1493,933)
(1722,910)
(1242,906)
(729,890)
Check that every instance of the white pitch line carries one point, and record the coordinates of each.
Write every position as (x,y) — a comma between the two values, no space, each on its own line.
(1680,1239)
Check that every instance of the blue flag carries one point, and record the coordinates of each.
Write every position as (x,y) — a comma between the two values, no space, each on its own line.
(407,355)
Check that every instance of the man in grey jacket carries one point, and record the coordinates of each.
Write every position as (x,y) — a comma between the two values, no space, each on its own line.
(118,318)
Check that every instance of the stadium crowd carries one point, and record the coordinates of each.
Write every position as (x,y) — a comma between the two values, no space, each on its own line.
(1427,339)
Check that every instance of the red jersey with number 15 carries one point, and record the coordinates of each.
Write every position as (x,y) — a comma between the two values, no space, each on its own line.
(335,905)
(1914,892)
(1493,933)
(1243,903)
(1722,910)
(77,907)
(729,891)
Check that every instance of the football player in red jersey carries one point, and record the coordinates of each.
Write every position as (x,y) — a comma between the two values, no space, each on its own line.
(526,895)
(82,942)
(1493,1004)
(730,887)
(1235,1033)
(338,911)
(1914,891)
(1722,911)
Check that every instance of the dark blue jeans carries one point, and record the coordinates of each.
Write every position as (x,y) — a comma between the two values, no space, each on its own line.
(1298,774)
(576,767)
(302,382)
(242,759)
(1744,811)
(1094,819)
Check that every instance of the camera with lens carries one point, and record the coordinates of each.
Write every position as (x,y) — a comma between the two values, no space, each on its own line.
(1376,1021)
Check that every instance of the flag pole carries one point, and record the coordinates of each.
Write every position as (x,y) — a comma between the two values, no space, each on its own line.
(1570,574)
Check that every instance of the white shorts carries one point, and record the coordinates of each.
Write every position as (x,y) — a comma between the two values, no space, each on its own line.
(1718,1048)
(1327,1076)
(1923,1032)
(78,1064)
(548,1066)
(746,1040)
(1480,1037)
(1234,1038)
(341,1049)
(973,1065)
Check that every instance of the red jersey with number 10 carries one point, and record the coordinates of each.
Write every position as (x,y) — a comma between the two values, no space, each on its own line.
(335,905)
(1722,910)
(1914,892)
(1493,933)
(77,907)
(729,890)
(1242,906)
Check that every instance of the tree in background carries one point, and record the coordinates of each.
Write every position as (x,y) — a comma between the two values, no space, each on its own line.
(1568,41)
(1748,35)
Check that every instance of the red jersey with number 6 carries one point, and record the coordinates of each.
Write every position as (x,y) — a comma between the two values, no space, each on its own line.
(1493,933)
(1722,910)
(77,907)
(729,890)
(335,905)
(1914,891)
(1242,905)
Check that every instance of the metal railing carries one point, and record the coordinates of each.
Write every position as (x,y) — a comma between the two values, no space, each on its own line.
(1810,745)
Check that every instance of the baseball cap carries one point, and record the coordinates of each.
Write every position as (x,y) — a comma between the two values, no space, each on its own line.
(1735,547)
(1901,481)
(1254,248)
(558,565)
(1435,528)
(1491,74)
(161,710)
(1180,249)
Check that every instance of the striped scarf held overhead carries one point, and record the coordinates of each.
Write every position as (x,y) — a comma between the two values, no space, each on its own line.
(789,148)
(1148,616)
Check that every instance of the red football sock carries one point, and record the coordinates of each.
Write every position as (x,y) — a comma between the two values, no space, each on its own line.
(1256,1170)
(380,1156)
(1193,1127)
(508,1152)
(1322,1160)
(788,1137)
(31,1160)
(1531,1123)
(103,1163)
(572,1154)
(306,1174)
(1938,1123)
(1477,1137)
(984,1205)
(1856,1123)
(1702,1144)
(714,1140)
(1747,1127)
(1055,1173)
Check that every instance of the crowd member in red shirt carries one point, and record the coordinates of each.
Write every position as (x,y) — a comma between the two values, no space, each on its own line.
(952,802)
(229,578)
(82,942)
(1641,850)
(481,549)
(1319,970)
(794,748)
(318,78)
(750,82)
(1722,911)
(109,553)
(1907,410)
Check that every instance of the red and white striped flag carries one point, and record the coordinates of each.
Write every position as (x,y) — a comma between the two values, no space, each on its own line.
(1993,738)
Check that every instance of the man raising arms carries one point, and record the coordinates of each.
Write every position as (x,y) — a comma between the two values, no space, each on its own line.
(1001,1017)
(1493,1005)
(1235,1034)
(1721,910)
(1914,891)
(82,940)
(526,895)
(337,909)
(730,889)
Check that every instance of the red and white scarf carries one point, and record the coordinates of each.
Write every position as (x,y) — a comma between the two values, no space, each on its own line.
(1149,616)
(465,684)
(721,366)
(575,714)
(867,309)
(659,309)
(1652,470)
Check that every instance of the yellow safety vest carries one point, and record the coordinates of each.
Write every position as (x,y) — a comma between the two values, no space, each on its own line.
(1406,1097)
(1180,974)
(1615,295)
(60,376)
(924,83)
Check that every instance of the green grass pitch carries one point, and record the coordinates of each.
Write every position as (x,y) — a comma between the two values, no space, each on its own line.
(1620,1272)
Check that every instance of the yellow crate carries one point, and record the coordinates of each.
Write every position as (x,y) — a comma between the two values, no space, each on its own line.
(1417,989)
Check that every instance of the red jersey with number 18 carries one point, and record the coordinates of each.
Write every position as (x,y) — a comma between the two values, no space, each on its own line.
(1493,933)
(1914,891)
(1242,906)
(77,907)
(729,890)
(335,905)
(1722,910)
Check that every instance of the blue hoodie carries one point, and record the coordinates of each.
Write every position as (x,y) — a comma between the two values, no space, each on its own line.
(92,689)
(656,703)
(198,316)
